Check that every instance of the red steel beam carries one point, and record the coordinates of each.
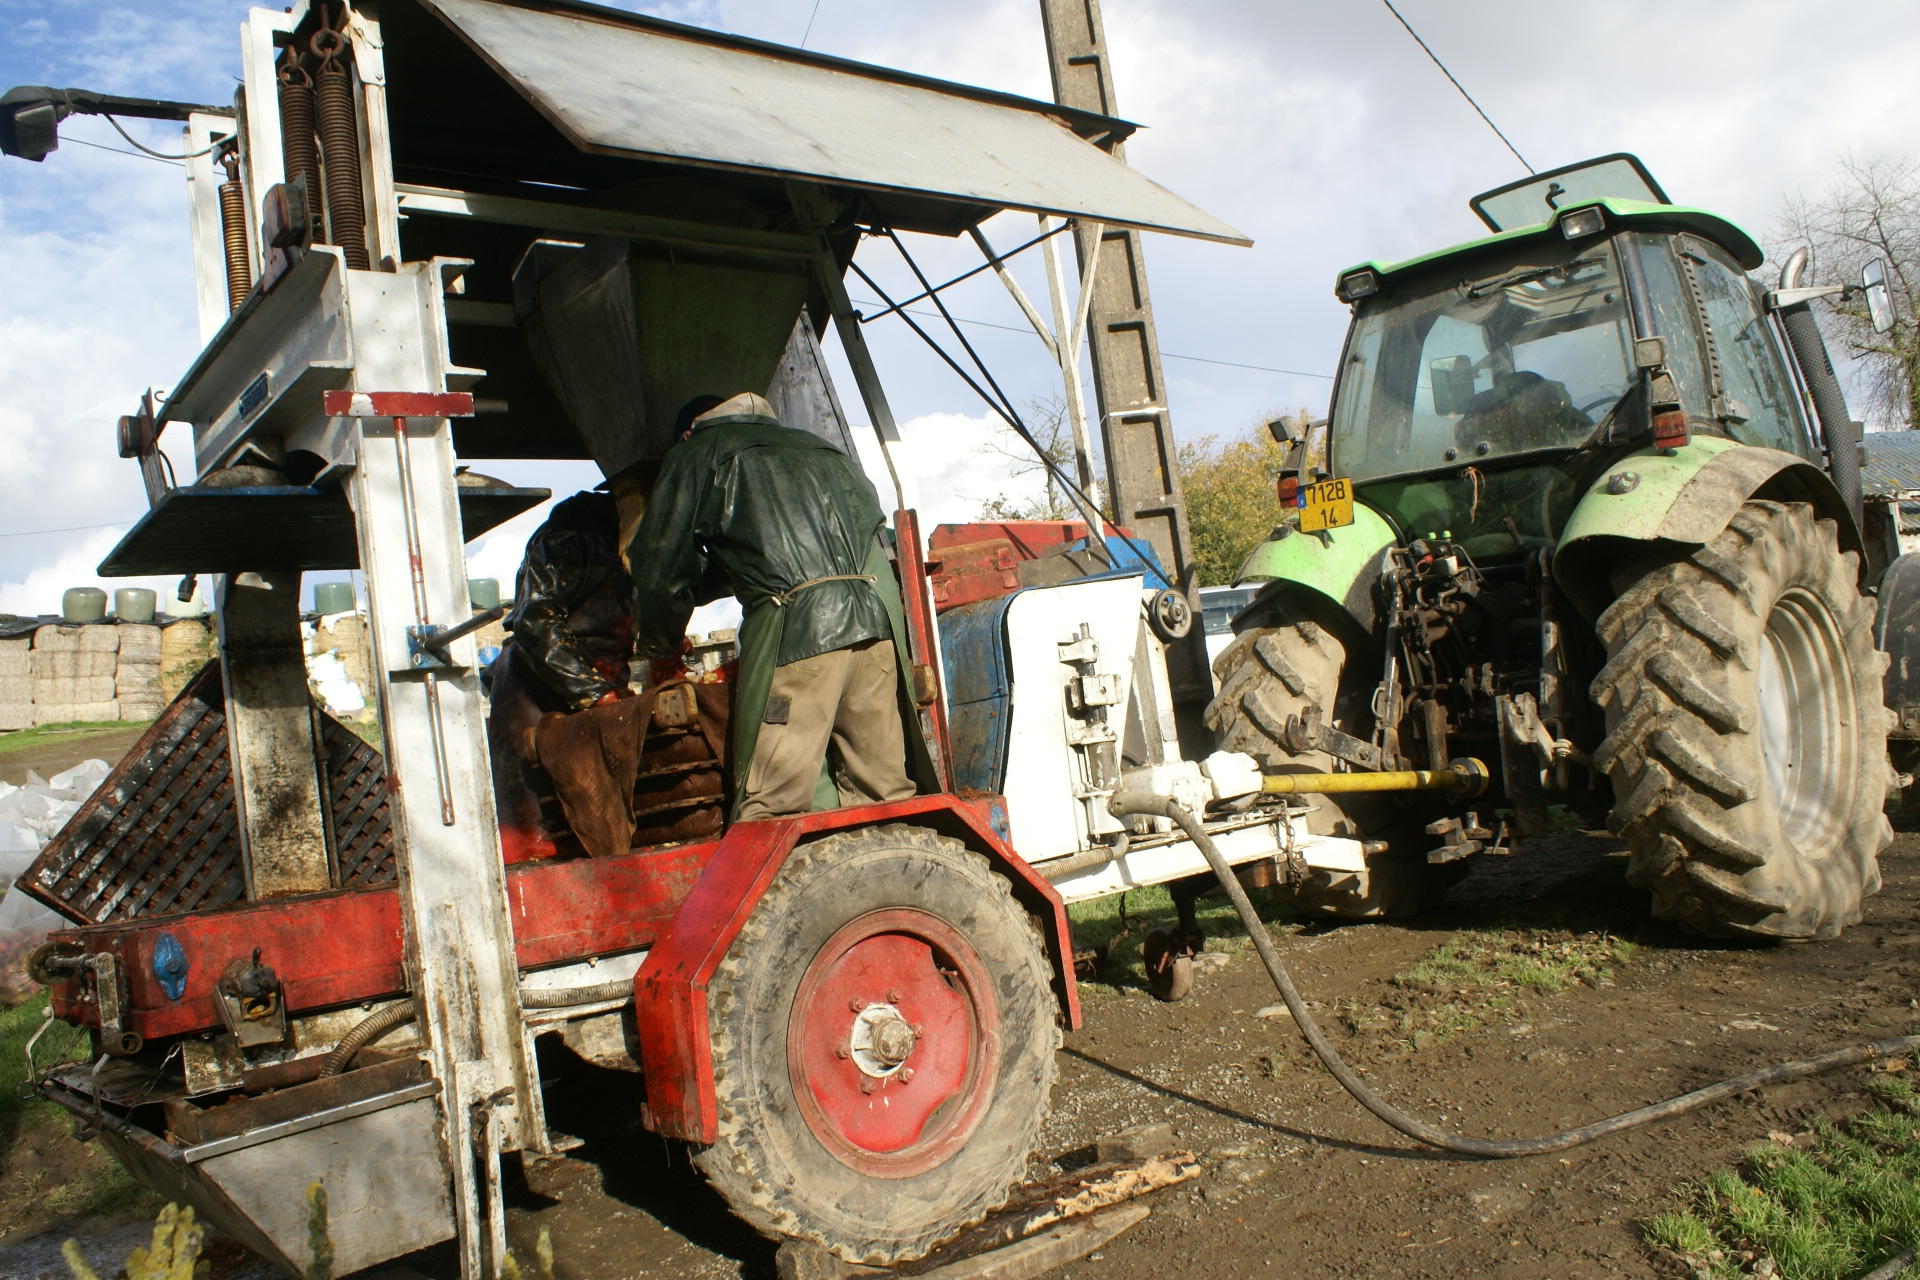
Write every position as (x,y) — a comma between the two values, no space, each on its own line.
(917,603)
(687,903)
(397,404)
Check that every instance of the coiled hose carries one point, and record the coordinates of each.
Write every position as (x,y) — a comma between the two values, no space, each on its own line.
(1164,806)
(369,1029)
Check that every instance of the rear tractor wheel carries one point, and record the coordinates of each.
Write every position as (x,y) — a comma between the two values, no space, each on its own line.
(884,1030)
(1746,736)
(1291,657)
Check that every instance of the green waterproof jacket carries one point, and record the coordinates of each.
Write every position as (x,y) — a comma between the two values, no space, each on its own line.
(758,510)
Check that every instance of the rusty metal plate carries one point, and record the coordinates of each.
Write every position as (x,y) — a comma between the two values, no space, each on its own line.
(159,836)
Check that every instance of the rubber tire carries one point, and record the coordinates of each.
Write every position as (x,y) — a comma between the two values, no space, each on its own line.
(1289,659)
(767,1164)
(1680,692)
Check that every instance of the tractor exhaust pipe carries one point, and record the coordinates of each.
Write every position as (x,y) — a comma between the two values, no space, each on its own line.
(1816,370)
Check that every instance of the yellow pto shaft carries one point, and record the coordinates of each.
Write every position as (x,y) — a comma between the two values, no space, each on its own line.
(1468,776)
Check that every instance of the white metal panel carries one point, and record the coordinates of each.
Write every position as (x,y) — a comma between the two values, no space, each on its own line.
(1161,863)
(452,882)
(376,143)
(266,163)
(668,94)
(1046,819)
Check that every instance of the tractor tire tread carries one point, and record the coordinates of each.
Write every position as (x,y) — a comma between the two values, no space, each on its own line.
(1684,747)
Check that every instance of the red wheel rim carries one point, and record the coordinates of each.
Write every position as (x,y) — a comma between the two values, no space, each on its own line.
(880,975)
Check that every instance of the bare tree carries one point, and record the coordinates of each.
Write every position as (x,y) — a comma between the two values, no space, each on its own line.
(1047,420)
(1871,210)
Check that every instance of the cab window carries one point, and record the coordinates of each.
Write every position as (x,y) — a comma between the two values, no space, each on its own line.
(1755,397)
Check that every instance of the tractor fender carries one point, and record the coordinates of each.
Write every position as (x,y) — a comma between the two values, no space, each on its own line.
(1684,496)
(1341,564)
(670,990)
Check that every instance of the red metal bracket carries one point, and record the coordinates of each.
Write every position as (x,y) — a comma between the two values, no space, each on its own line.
(398,404)
(670,991)
(918,608)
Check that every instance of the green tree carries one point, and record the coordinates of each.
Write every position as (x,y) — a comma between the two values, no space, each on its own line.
(1231,504)
(1871,210)
(1047,420)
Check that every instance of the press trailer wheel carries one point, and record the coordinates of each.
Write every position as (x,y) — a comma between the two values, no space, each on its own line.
(1746,735)
(883,1031)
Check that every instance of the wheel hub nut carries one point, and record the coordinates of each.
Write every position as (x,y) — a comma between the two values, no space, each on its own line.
(881,1040)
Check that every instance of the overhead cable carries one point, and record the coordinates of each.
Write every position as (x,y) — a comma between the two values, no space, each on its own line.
(1456,84)
(1164,355)
(1001,405)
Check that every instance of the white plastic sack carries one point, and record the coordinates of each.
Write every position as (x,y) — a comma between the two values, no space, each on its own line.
(336,689)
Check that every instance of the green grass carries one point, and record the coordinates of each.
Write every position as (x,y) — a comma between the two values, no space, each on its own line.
(1826,1211)
(1099,924)
(1523,959)
(16,1028)
(101,1187)
(66,731)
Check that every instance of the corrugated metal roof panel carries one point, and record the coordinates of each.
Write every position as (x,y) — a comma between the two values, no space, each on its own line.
(658,91)
(1893,464)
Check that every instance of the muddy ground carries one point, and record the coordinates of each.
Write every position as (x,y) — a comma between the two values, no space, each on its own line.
(1300,1181)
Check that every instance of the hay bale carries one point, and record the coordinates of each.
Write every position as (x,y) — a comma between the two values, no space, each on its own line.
(16,715)
(61,712)
(185,647)
(57,639)
(139,642)
(62,664)
(55,690)
(104,638)
(16,656)
(348,638)
(137,680)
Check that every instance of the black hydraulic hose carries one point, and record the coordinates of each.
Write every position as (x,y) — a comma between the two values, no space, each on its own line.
(367,1030)
(1419,1131)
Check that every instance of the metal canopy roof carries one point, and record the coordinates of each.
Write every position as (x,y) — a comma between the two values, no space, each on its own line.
(620,85)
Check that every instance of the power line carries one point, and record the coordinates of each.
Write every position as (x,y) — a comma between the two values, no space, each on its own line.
(75,528)
(810,18)
(1165,355)
(120,152)
(1456,84)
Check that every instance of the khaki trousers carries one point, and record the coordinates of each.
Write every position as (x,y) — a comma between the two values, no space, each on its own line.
(847,697)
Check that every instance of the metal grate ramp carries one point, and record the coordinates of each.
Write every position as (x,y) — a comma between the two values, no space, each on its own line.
(158,837)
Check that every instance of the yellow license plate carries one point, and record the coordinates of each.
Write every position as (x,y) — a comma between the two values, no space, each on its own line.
(1327,505)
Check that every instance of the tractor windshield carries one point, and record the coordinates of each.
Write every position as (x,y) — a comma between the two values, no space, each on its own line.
(1524,356)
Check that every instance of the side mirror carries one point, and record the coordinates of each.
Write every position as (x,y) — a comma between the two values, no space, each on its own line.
(1873,282)
(1452,379)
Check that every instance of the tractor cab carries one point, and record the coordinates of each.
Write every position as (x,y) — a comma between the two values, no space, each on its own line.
(1482,385)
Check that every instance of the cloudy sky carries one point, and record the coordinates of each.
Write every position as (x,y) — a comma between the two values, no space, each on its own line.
(1320,129)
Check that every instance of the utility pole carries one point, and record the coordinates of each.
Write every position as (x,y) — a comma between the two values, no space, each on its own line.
(1143,475)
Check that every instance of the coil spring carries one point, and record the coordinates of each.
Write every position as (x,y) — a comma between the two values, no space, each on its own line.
(233,230)
(340,146)
(298,151)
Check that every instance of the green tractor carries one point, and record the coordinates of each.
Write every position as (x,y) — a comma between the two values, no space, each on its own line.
(1570,515)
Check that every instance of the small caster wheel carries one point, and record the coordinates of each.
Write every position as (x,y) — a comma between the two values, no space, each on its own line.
(1169,960)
